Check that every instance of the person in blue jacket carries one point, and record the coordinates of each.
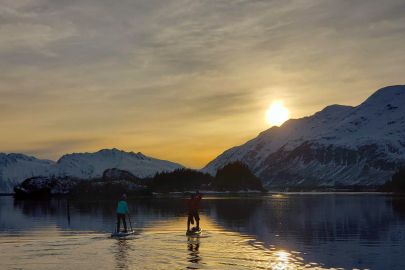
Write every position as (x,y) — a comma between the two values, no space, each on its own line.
(122,210)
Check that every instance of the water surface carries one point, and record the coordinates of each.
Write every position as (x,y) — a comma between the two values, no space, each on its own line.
(288,231)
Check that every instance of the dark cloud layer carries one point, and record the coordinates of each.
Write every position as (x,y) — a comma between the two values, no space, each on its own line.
(183,79)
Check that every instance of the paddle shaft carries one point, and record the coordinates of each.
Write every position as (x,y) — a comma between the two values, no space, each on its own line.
(130,223)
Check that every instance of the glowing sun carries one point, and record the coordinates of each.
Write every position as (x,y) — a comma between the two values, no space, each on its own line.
(277,114)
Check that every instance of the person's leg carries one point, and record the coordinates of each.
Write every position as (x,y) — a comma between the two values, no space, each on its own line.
(118,222)
(124,222)
(197,219)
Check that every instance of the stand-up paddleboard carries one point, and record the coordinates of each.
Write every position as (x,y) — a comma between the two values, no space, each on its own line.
(194,232)
(122,234)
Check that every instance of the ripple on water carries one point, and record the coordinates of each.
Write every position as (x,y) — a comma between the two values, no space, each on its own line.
(154,248)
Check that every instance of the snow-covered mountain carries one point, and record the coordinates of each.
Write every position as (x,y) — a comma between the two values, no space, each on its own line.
(14,168)
(340,145)
(91,165)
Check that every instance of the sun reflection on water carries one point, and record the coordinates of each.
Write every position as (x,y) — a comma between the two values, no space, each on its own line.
(218,248)
(281,257)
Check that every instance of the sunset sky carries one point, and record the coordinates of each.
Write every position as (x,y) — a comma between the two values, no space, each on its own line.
(183,80)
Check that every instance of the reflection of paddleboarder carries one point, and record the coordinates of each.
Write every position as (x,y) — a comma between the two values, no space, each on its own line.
(193,209)
(121,254)
(194,254)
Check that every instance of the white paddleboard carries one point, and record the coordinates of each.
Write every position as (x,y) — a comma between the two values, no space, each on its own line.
(194,232)
(122,234)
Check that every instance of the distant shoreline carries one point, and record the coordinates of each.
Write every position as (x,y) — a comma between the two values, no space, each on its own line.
(228,194)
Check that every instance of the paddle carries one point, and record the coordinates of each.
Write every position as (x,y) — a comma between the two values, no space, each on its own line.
(130,223)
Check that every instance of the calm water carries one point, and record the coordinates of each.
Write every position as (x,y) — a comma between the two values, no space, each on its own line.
(290,231)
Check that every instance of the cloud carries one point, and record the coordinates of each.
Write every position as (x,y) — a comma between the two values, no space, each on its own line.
(154,72)
(28,25)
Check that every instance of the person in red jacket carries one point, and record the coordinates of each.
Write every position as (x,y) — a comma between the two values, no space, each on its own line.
(193,210)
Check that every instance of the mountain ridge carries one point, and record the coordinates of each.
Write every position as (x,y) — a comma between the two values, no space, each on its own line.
(16,167)
(318,150)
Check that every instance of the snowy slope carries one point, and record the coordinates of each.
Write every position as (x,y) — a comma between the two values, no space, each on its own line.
(90,165)
(340,145)
(14,168)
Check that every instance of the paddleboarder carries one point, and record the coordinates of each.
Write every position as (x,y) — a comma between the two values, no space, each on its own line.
(122,210)
(193,211)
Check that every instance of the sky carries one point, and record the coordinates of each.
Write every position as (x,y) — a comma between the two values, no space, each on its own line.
(183,80)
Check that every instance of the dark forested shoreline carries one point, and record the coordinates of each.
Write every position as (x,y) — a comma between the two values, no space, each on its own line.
(234,177)
(231,179)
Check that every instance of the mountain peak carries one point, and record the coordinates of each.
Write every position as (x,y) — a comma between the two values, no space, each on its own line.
(110,150)
(116,151)
(21,157)
(394,94)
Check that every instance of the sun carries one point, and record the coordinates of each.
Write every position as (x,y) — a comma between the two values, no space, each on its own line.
(277,114)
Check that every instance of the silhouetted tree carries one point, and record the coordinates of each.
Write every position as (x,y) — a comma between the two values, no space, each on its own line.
(237,176)
(181,180)
(397,183)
